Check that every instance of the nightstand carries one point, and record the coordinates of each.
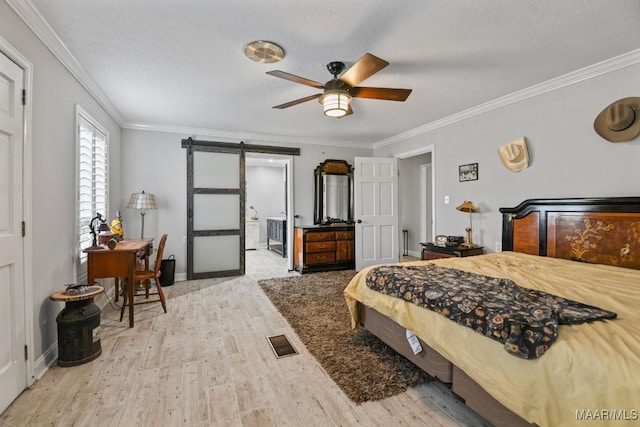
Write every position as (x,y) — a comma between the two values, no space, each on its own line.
(431,251)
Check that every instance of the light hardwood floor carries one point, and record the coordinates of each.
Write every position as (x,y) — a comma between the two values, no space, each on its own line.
(207,363)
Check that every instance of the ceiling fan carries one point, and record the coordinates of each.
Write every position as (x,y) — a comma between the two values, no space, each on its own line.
(338,92)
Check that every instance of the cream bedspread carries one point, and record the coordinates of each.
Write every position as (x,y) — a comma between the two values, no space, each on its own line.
(591,368)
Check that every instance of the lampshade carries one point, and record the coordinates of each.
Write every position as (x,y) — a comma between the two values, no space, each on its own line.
(142,201)
(335,102)
(467,206)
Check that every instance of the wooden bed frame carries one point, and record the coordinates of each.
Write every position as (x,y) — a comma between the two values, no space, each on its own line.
(595,230)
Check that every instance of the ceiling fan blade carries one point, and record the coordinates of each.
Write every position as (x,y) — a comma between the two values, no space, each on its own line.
(380,93)
(295,79)
(364,68)
(298,101)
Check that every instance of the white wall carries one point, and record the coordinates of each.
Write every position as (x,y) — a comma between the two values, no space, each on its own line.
(156,162)
(265,192)
(568,159)
(53,193)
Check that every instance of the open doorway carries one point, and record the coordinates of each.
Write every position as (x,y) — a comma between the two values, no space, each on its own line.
(269,214)
(221,181)
(416,199)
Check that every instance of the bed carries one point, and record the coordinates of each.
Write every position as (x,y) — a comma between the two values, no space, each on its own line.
(586,250)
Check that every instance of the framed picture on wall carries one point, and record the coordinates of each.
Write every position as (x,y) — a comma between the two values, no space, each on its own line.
(468,172)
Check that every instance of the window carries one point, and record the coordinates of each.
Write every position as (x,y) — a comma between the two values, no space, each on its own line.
(92,180)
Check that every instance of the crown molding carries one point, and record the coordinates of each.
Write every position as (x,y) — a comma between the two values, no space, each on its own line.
(34,20)
(589,72)
(233,136)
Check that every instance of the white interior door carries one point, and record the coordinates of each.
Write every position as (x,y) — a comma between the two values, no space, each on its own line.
(13,368)
(376,210)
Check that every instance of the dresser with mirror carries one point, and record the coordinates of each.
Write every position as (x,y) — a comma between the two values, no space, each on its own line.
(328,244)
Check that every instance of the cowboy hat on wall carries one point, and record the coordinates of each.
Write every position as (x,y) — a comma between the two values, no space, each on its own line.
(620,121)
(514,155)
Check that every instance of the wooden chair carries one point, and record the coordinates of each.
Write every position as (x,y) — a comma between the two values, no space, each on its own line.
(142,262)
(145,276)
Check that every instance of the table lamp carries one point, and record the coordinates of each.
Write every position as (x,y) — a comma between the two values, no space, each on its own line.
(142,201)
(255,213)
(102,226)
(467,206)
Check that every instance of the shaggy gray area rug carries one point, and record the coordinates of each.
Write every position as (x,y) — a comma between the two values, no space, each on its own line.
(364,367)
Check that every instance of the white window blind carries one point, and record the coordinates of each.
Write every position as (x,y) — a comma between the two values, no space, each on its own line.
(92,179)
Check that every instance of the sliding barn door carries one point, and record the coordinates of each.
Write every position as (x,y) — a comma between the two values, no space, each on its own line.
(215,211)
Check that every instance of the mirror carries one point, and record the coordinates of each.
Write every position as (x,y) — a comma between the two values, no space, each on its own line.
(333,193)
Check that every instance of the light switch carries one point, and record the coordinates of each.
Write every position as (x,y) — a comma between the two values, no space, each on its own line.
(446,200)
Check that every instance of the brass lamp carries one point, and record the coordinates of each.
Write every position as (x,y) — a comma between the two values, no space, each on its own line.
(467,206)
(98,221)
(142,201)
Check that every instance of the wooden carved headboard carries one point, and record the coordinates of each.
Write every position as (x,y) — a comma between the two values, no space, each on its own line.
(594,230)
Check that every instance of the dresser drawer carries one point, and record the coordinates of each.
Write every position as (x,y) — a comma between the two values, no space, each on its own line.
(320,236)
(321,246)
(344,235)
(435,252)
(426,255)
(320,257)
(344,250)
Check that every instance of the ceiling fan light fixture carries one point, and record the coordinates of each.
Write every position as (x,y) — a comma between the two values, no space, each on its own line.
(338,92)
(335,103)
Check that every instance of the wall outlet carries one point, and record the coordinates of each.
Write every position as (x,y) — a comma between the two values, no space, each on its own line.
(498,246)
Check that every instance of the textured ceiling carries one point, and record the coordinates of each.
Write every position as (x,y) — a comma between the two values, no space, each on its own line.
(181,64)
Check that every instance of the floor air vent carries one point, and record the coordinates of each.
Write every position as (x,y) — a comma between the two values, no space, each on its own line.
(281,346)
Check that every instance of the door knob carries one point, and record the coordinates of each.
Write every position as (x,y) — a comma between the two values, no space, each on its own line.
(359,221)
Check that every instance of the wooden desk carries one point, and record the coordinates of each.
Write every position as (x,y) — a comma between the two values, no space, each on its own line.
(118,262)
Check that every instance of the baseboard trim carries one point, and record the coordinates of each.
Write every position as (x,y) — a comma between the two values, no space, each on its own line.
(47,360)
(416,254)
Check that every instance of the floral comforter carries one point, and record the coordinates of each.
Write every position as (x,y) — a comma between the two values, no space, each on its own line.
(525,320)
